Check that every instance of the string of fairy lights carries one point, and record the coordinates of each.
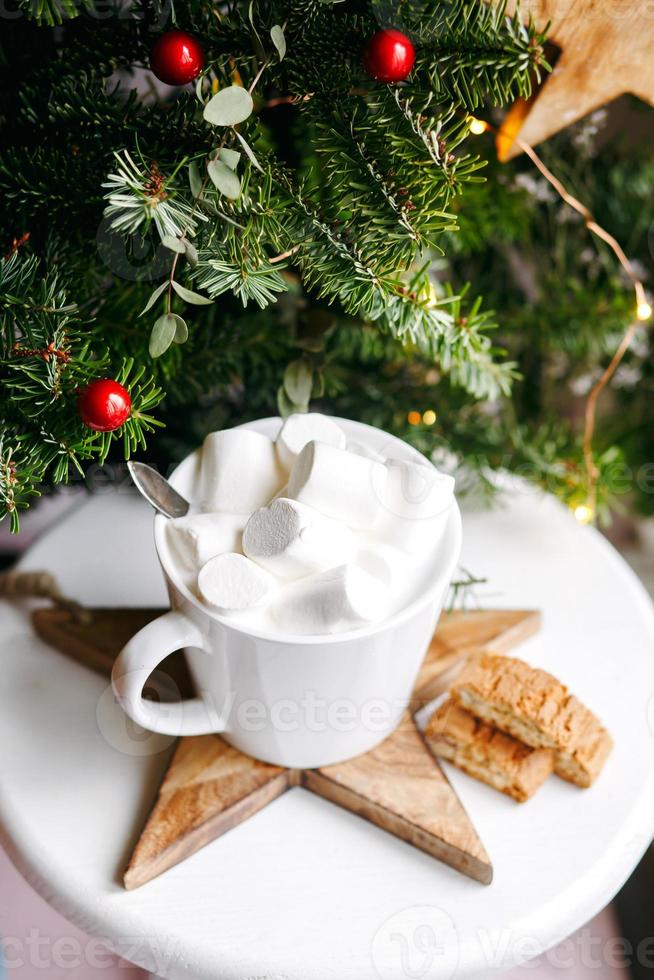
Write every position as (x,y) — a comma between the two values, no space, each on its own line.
(584,512)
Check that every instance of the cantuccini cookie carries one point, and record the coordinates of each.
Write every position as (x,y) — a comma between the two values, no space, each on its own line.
(537,709)
(486,753)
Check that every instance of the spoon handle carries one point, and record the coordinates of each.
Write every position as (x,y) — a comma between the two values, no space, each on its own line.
(157,490)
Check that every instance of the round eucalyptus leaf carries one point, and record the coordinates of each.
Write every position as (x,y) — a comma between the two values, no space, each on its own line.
(228,107)
(230,157)
(191,252)
(173,244)
(285,406)
(181,330)
(298,381)
(162,334)
(224,179)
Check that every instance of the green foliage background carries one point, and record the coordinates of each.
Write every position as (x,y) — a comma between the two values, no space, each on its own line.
(397,223)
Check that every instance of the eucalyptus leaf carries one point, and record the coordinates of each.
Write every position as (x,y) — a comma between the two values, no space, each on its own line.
(162,334)
(181,330)
(255,34)
(194,179)
(298,381)
(191,252)
(278,39)
(224,179)
(190,297)
(284,404)
(312,344)
(173,244)
(250,152)
(230,157)
(155,296)
(228,107)
(318,389)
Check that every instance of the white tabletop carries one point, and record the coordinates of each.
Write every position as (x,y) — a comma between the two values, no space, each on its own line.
(305,890)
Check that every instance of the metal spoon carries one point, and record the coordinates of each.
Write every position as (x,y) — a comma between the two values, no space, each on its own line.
(157,490)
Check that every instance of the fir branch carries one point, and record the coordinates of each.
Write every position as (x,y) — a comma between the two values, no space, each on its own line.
(19,481)
(470,52)
(138,198)
(30,305)
(457,338)
(259,283)
(52,12)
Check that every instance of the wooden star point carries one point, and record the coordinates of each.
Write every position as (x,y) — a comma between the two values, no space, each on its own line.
(605,52)
(210,787)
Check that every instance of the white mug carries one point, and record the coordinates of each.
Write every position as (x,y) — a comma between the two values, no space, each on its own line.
(295,701)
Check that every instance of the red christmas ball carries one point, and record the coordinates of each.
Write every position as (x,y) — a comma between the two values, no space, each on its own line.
(389,56)
(176,58)
(104,405)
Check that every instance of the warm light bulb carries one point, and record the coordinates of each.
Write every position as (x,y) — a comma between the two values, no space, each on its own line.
(413,418)
(584,513)
(643,311)
(477,126)
(429,417)
(432,302)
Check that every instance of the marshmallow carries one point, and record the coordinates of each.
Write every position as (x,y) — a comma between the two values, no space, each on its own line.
(339,599)
(362,450)
(384,562)
(196,538)
(416,499)
(230,582)
(339,484)
(290,539)
(301,428)
(240,471)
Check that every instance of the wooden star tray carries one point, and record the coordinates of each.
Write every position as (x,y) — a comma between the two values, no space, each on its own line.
(210,787)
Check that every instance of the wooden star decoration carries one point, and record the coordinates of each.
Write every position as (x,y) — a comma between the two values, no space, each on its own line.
(210,787)
(605,52)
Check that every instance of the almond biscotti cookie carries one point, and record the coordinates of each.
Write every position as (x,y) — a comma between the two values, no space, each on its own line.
(486,753)
(535,708)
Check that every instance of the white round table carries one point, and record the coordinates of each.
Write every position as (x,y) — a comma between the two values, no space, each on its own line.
(305,890)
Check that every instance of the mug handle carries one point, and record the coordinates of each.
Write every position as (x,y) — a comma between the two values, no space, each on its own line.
(140,657)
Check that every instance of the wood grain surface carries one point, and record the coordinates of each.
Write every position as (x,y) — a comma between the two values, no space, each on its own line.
(398,787)
(605,51)
(210,787)
(98,642)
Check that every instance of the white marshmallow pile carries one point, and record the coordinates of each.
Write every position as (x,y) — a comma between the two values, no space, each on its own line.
(291,540)
(233,582)
(307,534)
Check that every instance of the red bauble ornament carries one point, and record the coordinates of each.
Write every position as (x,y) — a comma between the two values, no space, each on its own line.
(389,56)
(176,58)
(104,405)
